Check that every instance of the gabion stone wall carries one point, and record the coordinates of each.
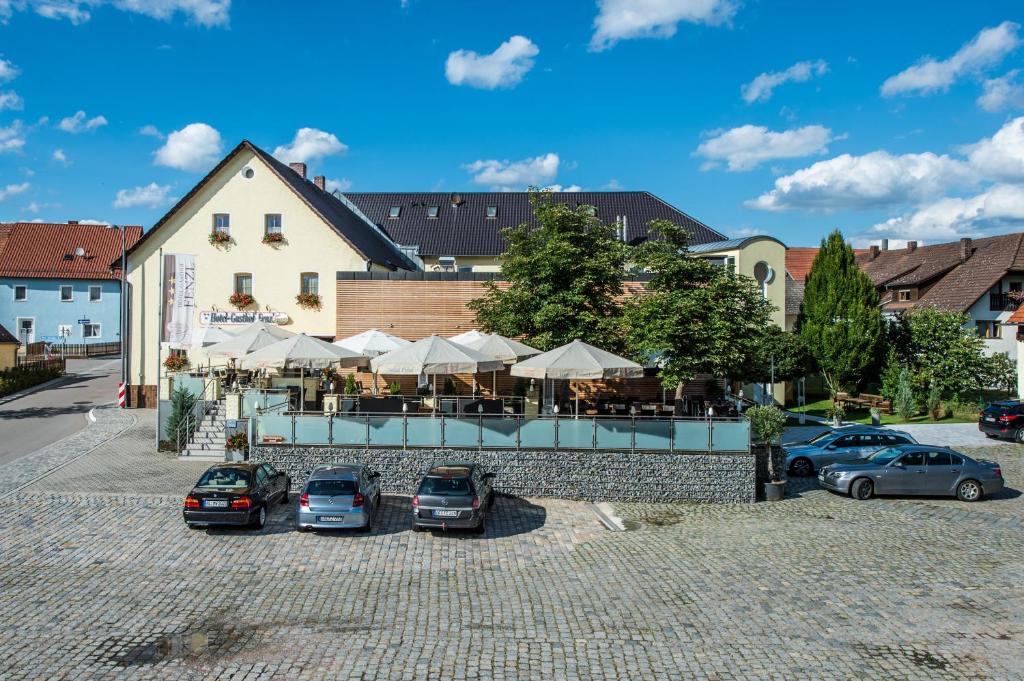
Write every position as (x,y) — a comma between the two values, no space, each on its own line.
(581,475)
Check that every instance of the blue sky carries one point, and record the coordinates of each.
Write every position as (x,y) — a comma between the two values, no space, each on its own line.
(883,119)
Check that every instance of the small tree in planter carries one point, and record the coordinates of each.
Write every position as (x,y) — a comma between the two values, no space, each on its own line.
(181,404)
(767,423)
(449,386)
(241,300)
(395,388)
(350,385)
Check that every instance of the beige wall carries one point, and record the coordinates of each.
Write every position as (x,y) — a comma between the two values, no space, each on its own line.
(8,355)
(312,246)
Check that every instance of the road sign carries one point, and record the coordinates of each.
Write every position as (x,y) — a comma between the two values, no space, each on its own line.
(84,321)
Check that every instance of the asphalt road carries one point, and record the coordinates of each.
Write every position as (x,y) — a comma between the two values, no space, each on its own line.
(45,416)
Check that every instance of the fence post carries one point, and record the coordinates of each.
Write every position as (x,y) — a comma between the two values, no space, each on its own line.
(442,431)
(556,431)
(593,433)
(672,434)
(480,432)
(330,429)
(519,431)
(367,432)
(632,433)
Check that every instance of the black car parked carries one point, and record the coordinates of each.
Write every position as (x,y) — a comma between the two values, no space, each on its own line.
(453,495)
(235,494)
(1003,419)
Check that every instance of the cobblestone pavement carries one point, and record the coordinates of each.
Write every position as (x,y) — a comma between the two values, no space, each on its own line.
(99,578)
(954,435)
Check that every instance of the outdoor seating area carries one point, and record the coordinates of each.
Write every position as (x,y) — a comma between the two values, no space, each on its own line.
(863,401)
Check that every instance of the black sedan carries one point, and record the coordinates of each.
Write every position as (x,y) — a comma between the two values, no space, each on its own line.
(235,494)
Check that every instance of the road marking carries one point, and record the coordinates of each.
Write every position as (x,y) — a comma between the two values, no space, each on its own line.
(92,416)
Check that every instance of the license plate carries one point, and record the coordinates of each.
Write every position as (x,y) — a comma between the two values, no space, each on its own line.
(446,514)
(330,518)
(216,503)
(990,418)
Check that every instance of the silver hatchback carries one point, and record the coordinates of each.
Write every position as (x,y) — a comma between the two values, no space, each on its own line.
(840,445)
(339,496)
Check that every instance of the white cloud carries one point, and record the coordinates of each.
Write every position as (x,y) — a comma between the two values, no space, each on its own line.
(747,146)
(505,67)
(195,147)
(152,195)
(8,71)
(624,19)
(559,188)
(760,89)
(613,185)
(61,157)
(999,208)
(1002,93)
(12,189)
(986,49)
(151,131)
(310,144)
(537,171)
(342,185)
(33,207)
(78,123)
(872,180)
(1000,157)
(203,12)
(12,138)
(11,100)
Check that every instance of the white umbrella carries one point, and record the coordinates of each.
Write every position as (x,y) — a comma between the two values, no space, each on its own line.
(467,336)
(505,349)
(577,360)
(242,344)
(372,343)
(209,335)
(432,356)
(273,329)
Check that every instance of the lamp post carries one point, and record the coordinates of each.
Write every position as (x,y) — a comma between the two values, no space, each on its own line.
(123,322)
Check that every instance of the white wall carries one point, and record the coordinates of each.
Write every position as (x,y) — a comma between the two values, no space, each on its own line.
(980,311)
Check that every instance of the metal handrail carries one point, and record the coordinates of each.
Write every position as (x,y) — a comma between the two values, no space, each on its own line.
(200,408)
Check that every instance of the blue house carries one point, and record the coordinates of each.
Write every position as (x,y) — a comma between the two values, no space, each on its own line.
(57,284)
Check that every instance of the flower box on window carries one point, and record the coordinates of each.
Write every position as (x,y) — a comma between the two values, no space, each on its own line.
(241,300)
(308,300)
(273,238)
(219,238)
(176,363)
(237,442)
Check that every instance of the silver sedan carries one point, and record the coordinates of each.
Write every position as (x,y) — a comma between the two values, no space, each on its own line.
(840,445)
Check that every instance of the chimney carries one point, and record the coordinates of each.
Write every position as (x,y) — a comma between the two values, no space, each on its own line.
(885,245)
(911,246)
(965,249)
(72,222)
(874,251)
(300,168)
(321,182)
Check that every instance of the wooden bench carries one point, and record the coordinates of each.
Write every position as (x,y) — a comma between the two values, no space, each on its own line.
(868,400)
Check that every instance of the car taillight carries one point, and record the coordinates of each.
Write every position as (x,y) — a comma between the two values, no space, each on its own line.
(191,502)
(415,501)
(241,503)
(357,500)
(998,472)
(476,502)
(304,500)
(1005,418)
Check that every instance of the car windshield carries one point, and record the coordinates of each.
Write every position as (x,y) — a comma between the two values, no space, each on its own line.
(821,437)
(225,478)
(331,488)
(445,487)
(884,456)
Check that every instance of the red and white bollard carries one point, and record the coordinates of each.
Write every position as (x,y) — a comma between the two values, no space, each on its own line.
(122,395)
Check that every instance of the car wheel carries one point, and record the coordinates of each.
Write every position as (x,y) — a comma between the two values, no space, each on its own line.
(417,528)
(261,518)
(1019,436)
(802,467)
(490,501)
(862,489)
(482,527)
(300,528)
(969,490)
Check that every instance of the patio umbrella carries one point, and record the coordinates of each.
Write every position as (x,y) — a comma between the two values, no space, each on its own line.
(301,352)
(273,329)
(467,336)
(372,343)
(507,350)
(242,344)
(209,335)
(432,356)
(577,360)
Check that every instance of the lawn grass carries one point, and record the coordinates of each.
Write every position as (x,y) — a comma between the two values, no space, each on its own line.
(821,408)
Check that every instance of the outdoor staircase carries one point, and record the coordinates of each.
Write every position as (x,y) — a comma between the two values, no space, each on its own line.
(207,442)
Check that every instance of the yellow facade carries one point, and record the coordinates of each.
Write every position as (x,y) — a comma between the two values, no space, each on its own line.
(8,355)
(312,246)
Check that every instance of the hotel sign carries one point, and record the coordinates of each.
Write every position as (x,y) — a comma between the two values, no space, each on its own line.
(227,318)
(179,298)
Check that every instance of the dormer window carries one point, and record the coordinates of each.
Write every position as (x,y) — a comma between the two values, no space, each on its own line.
(394,212)
(432,212)
(492,212)
(904,295)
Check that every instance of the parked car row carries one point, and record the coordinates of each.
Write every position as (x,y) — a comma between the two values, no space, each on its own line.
(864,461)
(454,495)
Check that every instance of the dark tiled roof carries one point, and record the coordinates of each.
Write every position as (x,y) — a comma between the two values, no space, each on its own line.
(465,230)
(6,336)
(794,295)
(358,233)
(42,250)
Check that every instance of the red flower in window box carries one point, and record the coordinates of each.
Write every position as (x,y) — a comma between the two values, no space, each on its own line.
(219,238)
(273,238)
(308,300)
(241,300)
(176,362)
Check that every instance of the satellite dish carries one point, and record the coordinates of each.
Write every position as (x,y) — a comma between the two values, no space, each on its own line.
(80,251)
(764,273)
(456,199)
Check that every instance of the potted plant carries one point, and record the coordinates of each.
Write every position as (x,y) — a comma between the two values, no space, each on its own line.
(837,414)
(237,442)
(176,363)
(395,388)
(271,238)
(350,385)
(219,238)
(241,300)
(308,300)
(767,423)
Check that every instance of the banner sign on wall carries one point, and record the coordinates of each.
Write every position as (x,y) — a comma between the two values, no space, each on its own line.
(179,302)
(227,318)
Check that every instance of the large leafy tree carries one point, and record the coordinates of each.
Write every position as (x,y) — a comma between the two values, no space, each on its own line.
(840,320)
(945,353)
(775,354)
(564,276)
(693,316)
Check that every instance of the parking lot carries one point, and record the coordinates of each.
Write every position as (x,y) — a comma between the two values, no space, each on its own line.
(99,577)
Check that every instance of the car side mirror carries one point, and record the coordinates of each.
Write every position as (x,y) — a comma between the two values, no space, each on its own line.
(830,447)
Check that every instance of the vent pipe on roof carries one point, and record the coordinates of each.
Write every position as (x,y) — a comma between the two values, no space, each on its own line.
(885,245)
(299,168)
(911,246)
(321,182)
(72,222)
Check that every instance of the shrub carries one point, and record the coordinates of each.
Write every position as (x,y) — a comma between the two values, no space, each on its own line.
(395,388)
(905,403)
(934,402)
(350,385)
(181,404)
(22,378)
(767,423)
(449,386)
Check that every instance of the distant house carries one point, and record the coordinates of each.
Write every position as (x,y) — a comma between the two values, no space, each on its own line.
(8,349)
(57,284)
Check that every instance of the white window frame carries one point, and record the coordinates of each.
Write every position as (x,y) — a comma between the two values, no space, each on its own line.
(24,288)
(278,229)
(436,210)
(97,330)
(17,328)
(234,284)
(487,212)
(99,293)
(60,293)
(223,230)
(394,212)
(315,276)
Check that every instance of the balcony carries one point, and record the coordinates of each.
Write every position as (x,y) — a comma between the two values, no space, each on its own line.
(1002,302)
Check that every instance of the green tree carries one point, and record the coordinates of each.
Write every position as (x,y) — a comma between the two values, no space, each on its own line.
(1001,372)
(945,353)
(839,320)
(693,317)
(564,278)
(905,403)
(773,347)
(181,404)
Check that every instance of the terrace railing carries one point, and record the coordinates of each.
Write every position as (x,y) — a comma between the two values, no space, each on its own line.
(481,432)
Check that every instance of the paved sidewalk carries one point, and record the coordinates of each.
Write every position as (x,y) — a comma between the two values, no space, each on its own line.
(944,434)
